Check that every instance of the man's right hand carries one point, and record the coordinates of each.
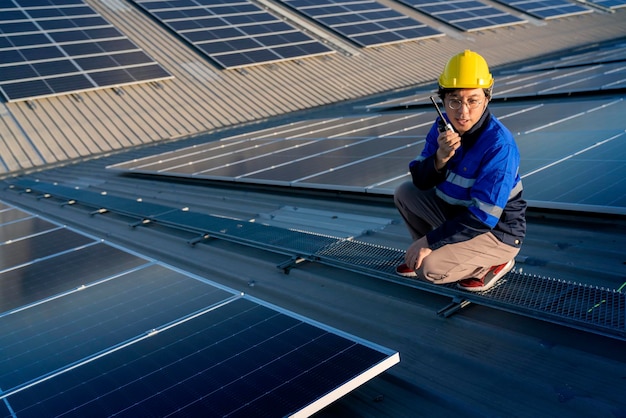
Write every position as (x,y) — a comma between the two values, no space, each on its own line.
(449,142)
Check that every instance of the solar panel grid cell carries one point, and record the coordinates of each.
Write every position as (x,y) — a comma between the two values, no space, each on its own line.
(72,82)
(91,63)
(7,216)
(21,228)
(49,277)
(26,89)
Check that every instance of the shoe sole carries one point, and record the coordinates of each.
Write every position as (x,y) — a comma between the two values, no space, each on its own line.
(491,282)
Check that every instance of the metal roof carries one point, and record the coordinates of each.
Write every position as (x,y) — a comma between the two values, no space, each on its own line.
(203,97)
(563,370)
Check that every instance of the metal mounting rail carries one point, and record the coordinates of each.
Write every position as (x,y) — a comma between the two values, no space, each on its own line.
(588,308)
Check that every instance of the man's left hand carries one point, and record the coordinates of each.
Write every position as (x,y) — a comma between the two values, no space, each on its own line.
(416,253)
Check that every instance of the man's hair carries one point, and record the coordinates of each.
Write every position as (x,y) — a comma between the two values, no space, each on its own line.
(442,92)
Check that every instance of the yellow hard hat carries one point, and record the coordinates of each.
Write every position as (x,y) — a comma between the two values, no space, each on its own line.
(466,70)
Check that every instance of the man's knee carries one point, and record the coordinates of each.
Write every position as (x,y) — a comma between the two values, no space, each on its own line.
(442,271)
(403,191)
(431,270)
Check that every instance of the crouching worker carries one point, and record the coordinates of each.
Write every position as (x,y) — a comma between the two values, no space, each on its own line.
(464,206)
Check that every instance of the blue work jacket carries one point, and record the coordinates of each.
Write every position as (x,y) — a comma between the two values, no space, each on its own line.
(480,186)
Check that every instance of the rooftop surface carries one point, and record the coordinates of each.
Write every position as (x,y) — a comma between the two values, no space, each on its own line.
(480,362)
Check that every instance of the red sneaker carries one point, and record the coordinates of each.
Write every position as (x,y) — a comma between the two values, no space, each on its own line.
(494,274)
(405,271)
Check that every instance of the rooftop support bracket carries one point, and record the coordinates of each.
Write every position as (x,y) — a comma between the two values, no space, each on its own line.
(143,221)
(456,305)
(199,238)
(98,212)
(286,266)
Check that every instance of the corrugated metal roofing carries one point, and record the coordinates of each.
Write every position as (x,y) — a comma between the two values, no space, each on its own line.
(202,97)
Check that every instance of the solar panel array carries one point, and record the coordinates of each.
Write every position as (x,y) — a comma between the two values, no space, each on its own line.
(547,9)
(615,53)
(365,22)
(297,154)
(63,46)
(370,154)
(234,33)
(466,15)
(559,77)
(89,329)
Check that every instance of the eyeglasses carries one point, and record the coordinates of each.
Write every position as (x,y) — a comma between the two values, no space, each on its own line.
(456,104)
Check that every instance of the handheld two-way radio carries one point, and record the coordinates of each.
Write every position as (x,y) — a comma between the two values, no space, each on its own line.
(443,126)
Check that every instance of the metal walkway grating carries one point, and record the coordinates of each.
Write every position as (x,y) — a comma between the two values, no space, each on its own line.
(598,310)
(577,305)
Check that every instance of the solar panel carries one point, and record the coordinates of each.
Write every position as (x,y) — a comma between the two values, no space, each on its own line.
(601,55)
(554,78)
(611,4)
(547,9)
(22,227)
(466,15)
(371,154)
(57,47)
(365,22)
(234,33)
(299,151)
(591,78)
(89,329)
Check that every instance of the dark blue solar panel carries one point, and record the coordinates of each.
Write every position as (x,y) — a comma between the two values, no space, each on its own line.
(547,9)
(112,77)
(49,277)
(43,41)
(611,4)
(147,72)
(17,72)
(41,53)
(240,360)
(53,68)
(365,22)
(467,15)
(90,330)
(25,89)
(25,40)
(234,33)
(25,250)
(68,83)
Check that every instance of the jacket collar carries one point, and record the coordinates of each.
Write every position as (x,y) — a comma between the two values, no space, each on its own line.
(470,137)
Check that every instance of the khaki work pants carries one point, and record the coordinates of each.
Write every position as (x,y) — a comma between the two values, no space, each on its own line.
(423,211)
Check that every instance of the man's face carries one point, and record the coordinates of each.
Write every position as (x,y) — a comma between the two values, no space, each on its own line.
(464,108)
